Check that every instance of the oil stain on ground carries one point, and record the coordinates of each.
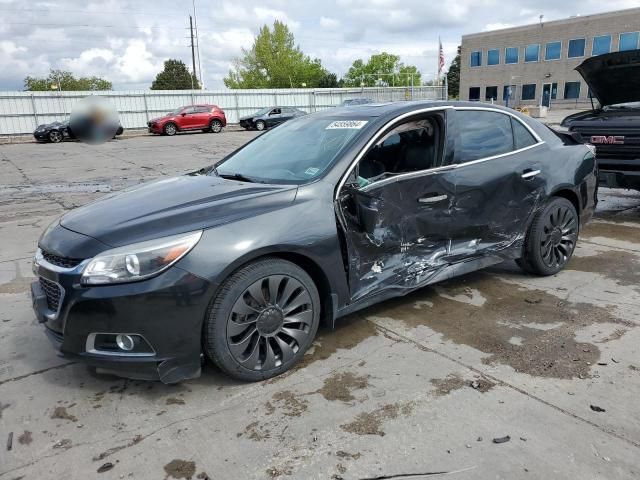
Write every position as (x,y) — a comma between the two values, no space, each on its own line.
(444,386)
(544,325)
(180,469)
(340,386)
(620,266)
(612,230)
(370,423)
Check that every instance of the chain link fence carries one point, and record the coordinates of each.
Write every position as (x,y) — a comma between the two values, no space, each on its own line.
(22,112)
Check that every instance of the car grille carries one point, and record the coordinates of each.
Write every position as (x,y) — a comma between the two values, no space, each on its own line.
(53,292)
(59,261)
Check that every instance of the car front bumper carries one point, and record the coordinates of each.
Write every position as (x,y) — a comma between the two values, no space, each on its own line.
(166,312)
(154,128)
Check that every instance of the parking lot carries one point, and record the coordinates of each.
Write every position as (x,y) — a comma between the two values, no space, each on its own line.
(495,374)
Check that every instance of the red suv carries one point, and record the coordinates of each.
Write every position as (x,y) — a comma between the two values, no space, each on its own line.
(208,118)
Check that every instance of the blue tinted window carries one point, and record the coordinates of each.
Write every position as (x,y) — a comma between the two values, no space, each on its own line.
(629,41)
(532,53)
(576,48)
(601,45)
(511,55)
(529,91)
(552,51)
(493,57)
(571,90)
(476,59)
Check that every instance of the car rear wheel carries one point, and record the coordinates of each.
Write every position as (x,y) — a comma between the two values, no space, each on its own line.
(260,125)
(215,126)
(263,320)
(55,136)
(551,238)
(170,129)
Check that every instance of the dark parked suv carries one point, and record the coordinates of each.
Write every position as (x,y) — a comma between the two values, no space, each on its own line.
(320,217)
(613,127)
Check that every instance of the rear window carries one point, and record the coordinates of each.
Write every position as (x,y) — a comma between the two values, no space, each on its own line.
(521,136)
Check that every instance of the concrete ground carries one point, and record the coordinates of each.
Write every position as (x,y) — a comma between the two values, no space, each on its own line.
(428,385)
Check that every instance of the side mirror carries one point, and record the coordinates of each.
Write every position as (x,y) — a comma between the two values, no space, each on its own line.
(183,114)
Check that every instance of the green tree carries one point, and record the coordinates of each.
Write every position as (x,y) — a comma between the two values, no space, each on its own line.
(330,80)
(381,69)
(453,77)
(275,61)
(175,76)
(64,80)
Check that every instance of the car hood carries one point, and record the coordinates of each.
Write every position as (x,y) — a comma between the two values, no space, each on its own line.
(53,125)
(248,117)
(613,77)
(162,118)
(174,205)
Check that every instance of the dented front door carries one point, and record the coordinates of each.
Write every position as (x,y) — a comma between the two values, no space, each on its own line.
(410,239)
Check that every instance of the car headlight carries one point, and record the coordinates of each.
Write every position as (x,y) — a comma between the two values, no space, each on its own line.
(139,260)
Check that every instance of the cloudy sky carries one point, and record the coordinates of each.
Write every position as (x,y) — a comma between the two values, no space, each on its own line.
(126,41)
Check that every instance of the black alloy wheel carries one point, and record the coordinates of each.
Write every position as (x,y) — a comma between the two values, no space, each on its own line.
(263,320)
(552,238)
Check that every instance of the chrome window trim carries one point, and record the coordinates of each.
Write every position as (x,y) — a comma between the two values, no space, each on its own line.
(430,171)
(91,343)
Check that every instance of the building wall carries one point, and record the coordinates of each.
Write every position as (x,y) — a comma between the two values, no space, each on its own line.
(552,71)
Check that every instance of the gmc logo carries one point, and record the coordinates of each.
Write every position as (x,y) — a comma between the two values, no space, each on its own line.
(608,140)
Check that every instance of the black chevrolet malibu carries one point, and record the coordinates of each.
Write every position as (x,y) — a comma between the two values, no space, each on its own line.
(322,216)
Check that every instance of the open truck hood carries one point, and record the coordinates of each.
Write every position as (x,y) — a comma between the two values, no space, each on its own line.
(613,77)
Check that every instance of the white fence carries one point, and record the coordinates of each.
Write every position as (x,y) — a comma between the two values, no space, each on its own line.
(21,112)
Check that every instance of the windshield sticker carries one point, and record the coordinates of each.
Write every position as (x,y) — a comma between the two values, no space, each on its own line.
(352,124)
(311,171)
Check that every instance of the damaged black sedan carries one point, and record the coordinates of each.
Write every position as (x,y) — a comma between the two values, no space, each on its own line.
(320,217)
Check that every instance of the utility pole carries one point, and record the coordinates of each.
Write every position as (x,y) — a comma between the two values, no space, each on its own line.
(193,48)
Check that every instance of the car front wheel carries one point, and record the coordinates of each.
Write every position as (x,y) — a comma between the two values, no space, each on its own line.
(215,126)
(260,125)
(55,136)
(170,129)
(551,239)
(263,320)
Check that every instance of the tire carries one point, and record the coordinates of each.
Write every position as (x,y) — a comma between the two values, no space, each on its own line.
(551,238)
(250,337)
(170,129)
(55,136)
(260,125)
(215,126)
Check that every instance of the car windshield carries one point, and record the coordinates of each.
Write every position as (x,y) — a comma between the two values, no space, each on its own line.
(175,112)
(623,106)
(263,111)
(296,152)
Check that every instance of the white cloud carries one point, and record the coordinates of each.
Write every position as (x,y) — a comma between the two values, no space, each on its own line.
(329,23)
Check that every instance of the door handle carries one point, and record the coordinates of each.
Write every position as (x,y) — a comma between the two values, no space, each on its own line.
(530,173)
(433,199)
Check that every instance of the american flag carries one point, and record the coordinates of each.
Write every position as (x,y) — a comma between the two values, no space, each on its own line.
(440,58)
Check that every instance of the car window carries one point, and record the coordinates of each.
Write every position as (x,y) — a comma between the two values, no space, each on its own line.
(297,152)
(189,110)
(482,135)
(275,111)
(521,136)
(410,147)
(201,109)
